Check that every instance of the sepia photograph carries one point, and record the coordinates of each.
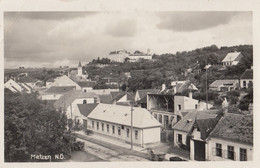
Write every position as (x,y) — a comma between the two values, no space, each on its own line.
(128,86)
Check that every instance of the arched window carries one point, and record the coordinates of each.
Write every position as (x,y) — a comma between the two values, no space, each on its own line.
(84,101)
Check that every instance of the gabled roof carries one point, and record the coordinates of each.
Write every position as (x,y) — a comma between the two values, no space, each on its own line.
(122,115)
(26,79)
(86,109)
(143,93)
(65,100)
(106,98)
(232,57)
(218,83)
(248,74)
(87,84)
(59,89)
(205,126)
(235,128)
(186,124)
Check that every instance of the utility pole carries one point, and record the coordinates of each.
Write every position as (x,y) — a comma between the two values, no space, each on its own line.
(132,109)
(207,83)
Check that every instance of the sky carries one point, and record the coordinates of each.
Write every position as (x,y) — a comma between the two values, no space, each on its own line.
(53,39)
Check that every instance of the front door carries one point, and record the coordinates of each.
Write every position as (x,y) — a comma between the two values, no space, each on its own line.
(199,150)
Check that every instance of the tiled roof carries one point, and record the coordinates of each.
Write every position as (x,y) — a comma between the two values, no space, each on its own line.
(86,109)
(107,98)
(248,74)
(122,115)
(206,126)
(188,120)
(218,83)
(26,79)
(231,57)
(143,93)
(235,127)
(59,89)
(65,100)
(87,84)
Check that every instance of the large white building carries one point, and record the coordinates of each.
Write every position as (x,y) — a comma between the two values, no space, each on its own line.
(114,121)
(120,56)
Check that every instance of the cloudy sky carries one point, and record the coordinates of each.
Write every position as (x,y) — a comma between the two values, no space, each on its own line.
(51,39)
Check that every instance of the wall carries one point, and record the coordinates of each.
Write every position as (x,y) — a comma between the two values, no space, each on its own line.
(184,135)
(73,107)
(185,102)
(247,82)
(212,145)
(51,96)
(11,83)
(104,91)
(151,135)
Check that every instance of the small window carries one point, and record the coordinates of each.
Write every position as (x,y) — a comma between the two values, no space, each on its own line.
(180,138)
(231,152)
(218,150)
(93,124)
(244,83)
(85,90)
(127,132)
(155,116)
(84,101)
(136,134)
(179,107)
(97,125)
(102,125)
(196,106)
(113,129)
(160,118)
(107,127)
(119,130)
(122,127)
(243,154)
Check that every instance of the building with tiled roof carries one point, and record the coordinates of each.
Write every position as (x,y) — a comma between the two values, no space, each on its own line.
(28,80)
(119,97)
(69,101)
(246,79)
(232,138)
(55,92)
(141,96)
(224,85)
(87,85)
(65,81)
(232,59)
(82,111)
(114,121)
(13,86)
(105,98)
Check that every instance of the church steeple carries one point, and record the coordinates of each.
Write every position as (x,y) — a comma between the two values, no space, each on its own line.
(79,64)
(80,69)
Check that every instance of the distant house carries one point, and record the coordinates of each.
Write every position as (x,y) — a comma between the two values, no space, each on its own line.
(180,86)
(232,59)
(69,101)
(78,74)
(13,86)
(29,81)
(111,81)
(65,81)
(141,96)
(183,129)
(87,85)
(231,139)
(55,92)
(114,121)
(246,79)
(122,98)
(224,85)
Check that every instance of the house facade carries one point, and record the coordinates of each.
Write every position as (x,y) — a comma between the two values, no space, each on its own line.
(65,81)
(55,92)
(114,121)
(246,79)
(232,59)
(224,85)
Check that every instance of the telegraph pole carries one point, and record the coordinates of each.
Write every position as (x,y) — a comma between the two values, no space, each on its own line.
(132,109)
(207,83)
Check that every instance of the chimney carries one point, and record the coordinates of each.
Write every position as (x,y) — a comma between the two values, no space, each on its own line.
(225,107)
(250,108)
(190,94)
(163,86)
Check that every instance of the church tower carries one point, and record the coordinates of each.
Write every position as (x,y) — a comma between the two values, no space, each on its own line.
(79,69)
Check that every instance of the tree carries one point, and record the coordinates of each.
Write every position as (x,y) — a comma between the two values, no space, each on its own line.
(31,127)
(233,96)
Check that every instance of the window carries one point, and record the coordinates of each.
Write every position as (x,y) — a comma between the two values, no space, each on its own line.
(122,127)
(95,100)
(244,83)
(127,132)
(218,149)
(160,118)
(107,127)
(196,106)
(136,134)
(84,101)
(243,154)
(93,124)
(102,125)
(119,131)
(85,90)
(179,107)
(231,153)
(113,129)
(155,116)
(179,138)
(97,125)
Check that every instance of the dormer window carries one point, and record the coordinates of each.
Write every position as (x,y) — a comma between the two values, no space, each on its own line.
(84,101)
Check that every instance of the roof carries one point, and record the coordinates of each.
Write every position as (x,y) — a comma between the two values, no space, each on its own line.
(232,57)
(59,89)
(143,93)
(235,127)
(122,115)
(26,79)
(118,95)
(106,98)
(65,100)
(248,74)
(50,80)
(186,124)
(86,109)
(218,83)
(87,84)
(205,126)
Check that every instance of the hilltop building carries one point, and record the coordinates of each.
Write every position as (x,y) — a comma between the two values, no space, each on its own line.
(232,59)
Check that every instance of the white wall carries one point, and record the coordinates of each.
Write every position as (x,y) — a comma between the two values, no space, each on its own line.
(184,135)
(151,135)
(11,83)
(51,96)
(237,146)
